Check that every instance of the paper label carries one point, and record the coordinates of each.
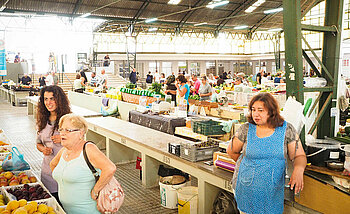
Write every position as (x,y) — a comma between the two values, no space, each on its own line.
(186,151)
(334,155)
(334,112)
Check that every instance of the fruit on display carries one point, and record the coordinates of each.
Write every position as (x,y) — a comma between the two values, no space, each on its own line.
(194,97)
(2,143)
(24,207)
(2,200)
(9,179)
(29,193)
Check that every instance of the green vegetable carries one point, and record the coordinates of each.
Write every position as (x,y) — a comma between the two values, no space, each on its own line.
(130,85)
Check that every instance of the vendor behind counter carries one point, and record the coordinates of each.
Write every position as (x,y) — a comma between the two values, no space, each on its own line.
(26,80)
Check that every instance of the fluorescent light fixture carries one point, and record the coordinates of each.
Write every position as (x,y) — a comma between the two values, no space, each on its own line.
(199,24)
(254,6)
(214,3)
(275,30)
(85,15)
(240,27)
(151,20)
(276,10)
(2,8)
(174,2)
(152,29)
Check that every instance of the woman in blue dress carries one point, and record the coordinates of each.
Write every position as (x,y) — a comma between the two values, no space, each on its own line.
(262,148)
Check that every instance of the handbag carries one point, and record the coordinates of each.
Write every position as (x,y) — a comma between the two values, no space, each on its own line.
(111,196)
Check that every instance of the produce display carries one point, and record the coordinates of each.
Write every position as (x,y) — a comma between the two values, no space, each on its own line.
(2,200)
(194,97)
(2,143)
(24,207)
(10,179)
(29,192)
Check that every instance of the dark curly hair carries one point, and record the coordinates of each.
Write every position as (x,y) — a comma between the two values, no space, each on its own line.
(62,103)
(270,103)
(181,78)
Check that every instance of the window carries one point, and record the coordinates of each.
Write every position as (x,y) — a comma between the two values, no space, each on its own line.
(166,68)
(194,68)
(153,66)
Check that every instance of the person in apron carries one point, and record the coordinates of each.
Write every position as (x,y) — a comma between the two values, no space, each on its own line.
(261,148)
(53,104)
(183,92)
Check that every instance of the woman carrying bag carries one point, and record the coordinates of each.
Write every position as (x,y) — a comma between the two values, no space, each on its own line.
(77,186)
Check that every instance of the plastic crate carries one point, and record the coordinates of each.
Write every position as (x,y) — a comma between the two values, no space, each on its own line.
(193,151)
(174,148)
(209,127)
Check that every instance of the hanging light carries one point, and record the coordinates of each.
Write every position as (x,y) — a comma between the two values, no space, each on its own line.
(85,15)
(254,6)
(199,24)
(151,20)
(217,3)
(152,29)
(275,30)
(240,27)
(174,2)
(275,10)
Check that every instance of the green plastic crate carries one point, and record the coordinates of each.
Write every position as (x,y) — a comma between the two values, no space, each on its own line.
(209,127)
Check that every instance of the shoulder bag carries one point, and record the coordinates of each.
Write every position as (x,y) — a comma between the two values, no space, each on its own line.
(111,196)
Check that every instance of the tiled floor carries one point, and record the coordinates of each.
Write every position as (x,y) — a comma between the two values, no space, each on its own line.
(20,129)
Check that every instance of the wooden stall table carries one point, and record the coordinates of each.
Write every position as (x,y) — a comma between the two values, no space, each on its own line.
(320,193)
(124,141)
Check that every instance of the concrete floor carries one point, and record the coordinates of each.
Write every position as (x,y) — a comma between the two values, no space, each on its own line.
(20,129)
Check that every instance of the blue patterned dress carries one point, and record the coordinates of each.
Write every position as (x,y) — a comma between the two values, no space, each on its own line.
(260,182)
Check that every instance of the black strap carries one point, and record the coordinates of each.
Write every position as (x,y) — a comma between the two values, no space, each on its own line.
(92,168)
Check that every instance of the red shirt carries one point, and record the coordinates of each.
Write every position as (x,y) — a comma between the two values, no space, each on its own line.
(197,84)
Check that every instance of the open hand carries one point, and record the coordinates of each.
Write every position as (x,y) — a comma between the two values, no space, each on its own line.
(297,180)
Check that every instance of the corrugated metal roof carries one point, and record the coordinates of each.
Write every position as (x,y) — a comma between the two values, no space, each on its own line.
(127,9)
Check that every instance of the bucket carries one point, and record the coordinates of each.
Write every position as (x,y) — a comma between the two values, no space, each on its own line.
(168,195)
(188,200)
(321,150)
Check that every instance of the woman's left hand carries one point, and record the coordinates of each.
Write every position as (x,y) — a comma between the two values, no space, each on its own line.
(297,180)
(56,138)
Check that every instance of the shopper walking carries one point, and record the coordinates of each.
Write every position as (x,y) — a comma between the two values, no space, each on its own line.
(205,90)
(261,149)
(77,187)
(149,78)
(53,104)
(49,79)
(55,78)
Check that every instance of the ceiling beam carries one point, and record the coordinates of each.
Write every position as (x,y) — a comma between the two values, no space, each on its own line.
(141,10)
(233,13)
(76,6)
(264,19)
(189,14)
(310,6)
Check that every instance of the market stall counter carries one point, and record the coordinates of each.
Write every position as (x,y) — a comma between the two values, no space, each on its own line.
(125,141)
(4,93)
(32,103)
(161,123)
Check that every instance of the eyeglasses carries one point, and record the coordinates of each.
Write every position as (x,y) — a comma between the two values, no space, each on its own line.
(68,130)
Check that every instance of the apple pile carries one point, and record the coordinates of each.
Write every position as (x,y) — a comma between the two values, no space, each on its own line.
(9,179)
(29,193)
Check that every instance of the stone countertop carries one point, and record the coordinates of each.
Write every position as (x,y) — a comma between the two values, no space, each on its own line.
(152,139)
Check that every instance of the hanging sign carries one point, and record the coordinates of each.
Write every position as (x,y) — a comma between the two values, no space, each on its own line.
(3,71)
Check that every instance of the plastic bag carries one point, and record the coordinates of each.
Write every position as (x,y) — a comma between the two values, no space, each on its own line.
(14,161)
(225,203)
(110,109)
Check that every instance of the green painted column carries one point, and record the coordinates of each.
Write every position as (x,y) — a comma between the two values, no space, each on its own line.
(293,49)
(330,58)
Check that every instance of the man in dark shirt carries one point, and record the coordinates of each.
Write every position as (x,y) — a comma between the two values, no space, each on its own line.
(26,80)
(132,76)
(278,78)
(220,80)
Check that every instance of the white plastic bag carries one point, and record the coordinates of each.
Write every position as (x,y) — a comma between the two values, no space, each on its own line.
(293,114)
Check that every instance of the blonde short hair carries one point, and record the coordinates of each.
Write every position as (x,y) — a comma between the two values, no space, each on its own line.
(77,121)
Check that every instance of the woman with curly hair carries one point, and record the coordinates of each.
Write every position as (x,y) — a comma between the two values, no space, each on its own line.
(53,104)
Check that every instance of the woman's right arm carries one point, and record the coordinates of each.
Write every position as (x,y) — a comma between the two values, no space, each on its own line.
(55,160)
(234,148)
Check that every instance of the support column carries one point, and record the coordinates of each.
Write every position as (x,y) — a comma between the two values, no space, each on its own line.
(293,49)
(216,67)
(202,68)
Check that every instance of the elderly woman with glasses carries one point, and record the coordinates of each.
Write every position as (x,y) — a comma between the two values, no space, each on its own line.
(77,188)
